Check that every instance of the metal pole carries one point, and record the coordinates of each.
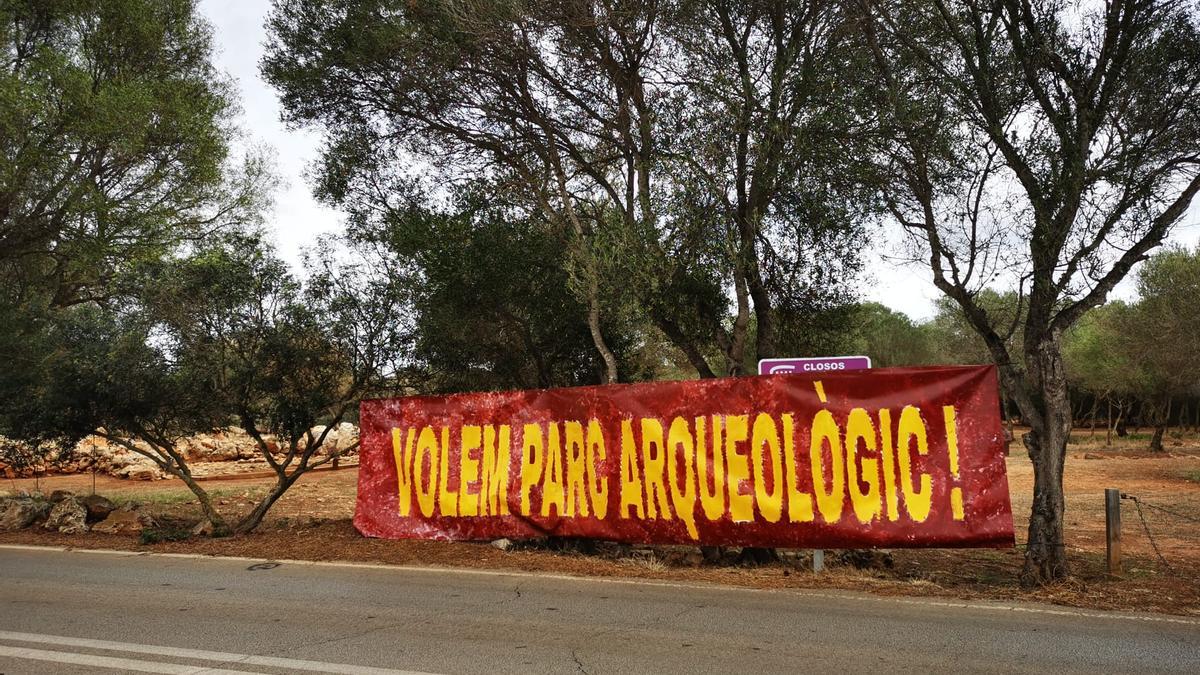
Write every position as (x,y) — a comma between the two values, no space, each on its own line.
(818,558)
(1112,529)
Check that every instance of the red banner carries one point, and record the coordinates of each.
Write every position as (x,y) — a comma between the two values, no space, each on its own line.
(898,457)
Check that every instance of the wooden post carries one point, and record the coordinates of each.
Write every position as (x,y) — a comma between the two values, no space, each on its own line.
(1112,529)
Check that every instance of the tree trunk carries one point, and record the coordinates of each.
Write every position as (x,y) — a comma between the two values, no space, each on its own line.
(1122,422)
(1049,420)
(1164,417)
(1092,417)
(1009,432)
(735,355)
(610,361)
(1156,440)
(1109,425)
(219,527)
(764,316)
(255,517)
(681,341)
(588,256)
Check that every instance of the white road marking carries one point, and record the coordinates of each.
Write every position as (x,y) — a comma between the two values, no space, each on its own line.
(182,653)
(127,665)
(1150,618)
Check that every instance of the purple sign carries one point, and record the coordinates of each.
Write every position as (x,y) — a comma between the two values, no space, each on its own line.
(826,364)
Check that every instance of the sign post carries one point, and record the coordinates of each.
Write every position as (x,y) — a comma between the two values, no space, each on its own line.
(814,366)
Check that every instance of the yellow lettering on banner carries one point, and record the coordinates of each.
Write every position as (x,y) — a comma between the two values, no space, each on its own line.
(468,470)
(576,473)
(653,463)
(712,500)
(888,451)
(860,469)
(597,484)
(766,435)
(682,450)
(426,479)
(741,505)
(493,490)
(404,456)
(825,432)
(533,458)
(800,504)
(956,493)
(552,480)
(917,502)
(631,479)
(447,498)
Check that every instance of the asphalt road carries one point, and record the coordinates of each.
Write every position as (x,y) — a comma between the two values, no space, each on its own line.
(77,612)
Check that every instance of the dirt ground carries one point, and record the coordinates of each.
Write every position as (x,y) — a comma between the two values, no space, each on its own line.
(312,522)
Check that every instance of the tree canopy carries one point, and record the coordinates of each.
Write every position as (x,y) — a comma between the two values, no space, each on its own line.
(115,137)
(1047,146)
(609,125)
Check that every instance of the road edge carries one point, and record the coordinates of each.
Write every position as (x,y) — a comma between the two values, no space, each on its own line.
(1000,606)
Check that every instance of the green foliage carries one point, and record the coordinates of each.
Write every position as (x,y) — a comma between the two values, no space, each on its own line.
(1100,354)
(1165,333)
(222,335)
(114,135)
(890,338)
(114,154)
(1145,350)
(490,301)
(95,368)
(956,340)
(676,164)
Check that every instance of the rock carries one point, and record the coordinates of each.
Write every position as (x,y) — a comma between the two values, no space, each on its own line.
(97,507)
(59,495)
(20,513)
(68,517)
(142,473)
(123,521)
(503,544)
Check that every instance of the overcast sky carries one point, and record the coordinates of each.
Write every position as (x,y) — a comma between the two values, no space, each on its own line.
(298,219)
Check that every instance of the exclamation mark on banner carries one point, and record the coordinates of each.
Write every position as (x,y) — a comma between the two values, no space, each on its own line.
(956,496)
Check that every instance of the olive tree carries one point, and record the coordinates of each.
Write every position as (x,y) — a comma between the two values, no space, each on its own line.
(671,146)
(1043,144)
(1162,333)
(287,361)
(115,135)
(221,336)
(115,153)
